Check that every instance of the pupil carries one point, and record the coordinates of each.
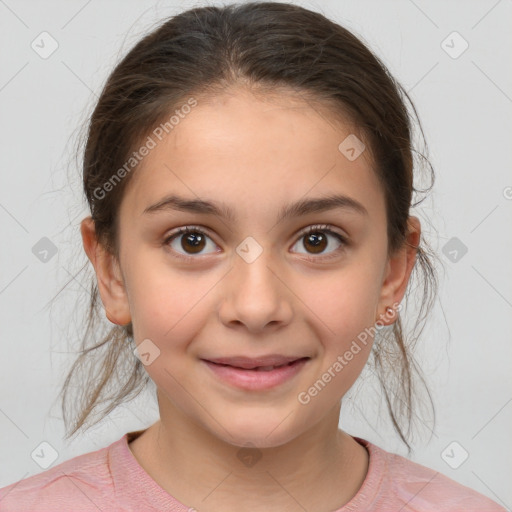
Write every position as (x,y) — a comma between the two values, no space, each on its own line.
(195,240)
(318,242)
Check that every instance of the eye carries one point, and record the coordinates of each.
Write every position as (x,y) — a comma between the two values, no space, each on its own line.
(316,238)
(193,243)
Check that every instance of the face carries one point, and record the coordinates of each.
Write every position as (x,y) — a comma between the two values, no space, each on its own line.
(254,283)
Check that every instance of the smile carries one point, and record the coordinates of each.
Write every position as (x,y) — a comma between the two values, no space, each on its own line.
(256,378)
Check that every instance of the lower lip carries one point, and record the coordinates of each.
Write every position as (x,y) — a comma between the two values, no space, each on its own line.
(256,380)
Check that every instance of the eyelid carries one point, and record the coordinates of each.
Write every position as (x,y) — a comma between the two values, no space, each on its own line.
(324,227)
(169,237)
(328,228)
(189,227)
(303,231)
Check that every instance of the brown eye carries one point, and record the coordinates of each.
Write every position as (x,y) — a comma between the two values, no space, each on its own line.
(317,242)
(193,241)
(316,239)
(188,240)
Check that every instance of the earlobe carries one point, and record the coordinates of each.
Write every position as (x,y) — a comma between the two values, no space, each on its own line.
(110,283)
(398,272)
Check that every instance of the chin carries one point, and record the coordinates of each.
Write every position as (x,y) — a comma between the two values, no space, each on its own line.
(258,430)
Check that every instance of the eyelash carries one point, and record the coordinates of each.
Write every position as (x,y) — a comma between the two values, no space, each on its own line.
(323,228)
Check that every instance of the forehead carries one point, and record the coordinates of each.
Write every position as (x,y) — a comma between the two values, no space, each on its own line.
(253,153)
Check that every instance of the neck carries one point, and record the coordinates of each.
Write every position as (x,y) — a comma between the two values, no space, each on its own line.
(322,469)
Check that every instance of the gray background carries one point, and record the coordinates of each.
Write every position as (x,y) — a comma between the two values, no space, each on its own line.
(465,106)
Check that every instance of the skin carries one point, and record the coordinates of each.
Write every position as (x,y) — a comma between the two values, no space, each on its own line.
(255,154)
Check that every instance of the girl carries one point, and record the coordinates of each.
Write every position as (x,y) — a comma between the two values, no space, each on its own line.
(249,173)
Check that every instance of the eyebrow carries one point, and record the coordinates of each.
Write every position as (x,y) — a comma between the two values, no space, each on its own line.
(299,208)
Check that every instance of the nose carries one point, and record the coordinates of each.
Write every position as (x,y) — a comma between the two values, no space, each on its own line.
(255,295)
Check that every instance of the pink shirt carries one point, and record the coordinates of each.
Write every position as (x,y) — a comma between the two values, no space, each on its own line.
(111,479)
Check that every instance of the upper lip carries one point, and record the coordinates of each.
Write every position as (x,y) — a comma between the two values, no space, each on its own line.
(254,362)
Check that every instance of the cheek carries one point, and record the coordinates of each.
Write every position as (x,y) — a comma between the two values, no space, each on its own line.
(169,312)
(166,305)
(344,302)
(345,315)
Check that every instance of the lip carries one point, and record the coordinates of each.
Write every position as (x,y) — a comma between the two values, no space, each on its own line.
(248,363)
(255,379)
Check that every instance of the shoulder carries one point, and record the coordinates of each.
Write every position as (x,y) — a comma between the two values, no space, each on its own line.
(418,488)
(85,481)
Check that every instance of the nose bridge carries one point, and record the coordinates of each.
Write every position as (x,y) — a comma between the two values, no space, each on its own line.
(253,263)
(255,295)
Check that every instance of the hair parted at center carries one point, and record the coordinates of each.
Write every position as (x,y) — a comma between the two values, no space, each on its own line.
(267,47)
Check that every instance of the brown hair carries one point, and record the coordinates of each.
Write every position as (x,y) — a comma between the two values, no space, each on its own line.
(202,52)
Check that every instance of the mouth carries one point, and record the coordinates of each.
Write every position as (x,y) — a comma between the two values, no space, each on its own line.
(256,374)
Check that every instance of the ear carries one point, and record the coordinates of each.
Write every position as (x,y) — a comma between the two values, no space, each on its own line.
(110,283)
(397,273)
